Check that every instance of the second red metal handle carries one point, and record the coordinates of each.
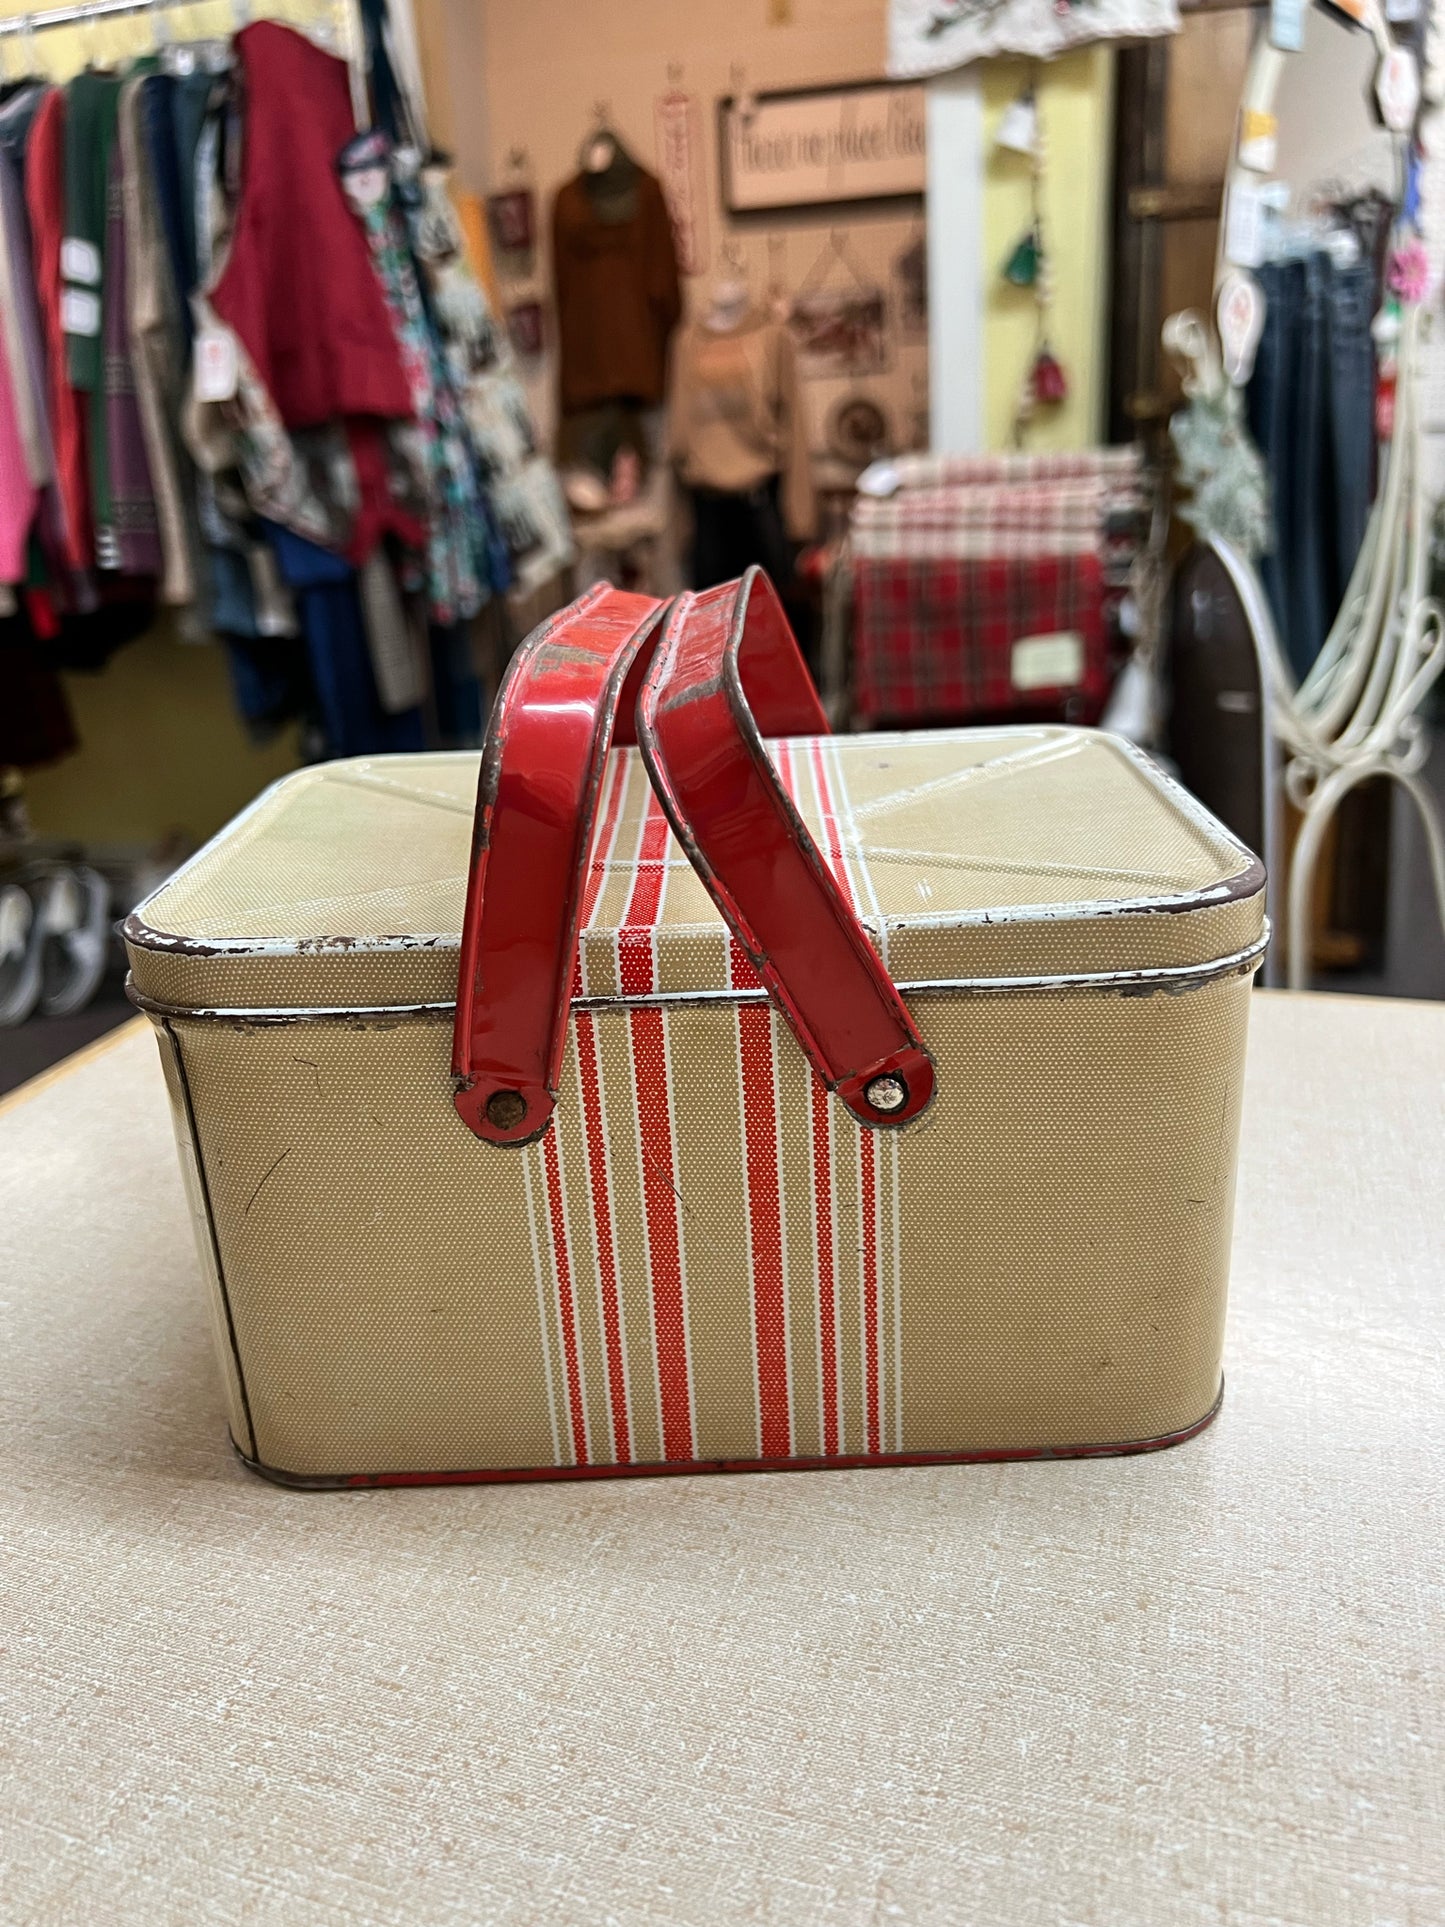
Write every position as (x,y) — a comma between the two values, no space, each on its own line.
(762,868)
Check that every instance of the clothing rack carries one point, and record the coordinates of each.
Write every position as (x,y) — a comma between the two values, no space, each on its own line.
(85,12)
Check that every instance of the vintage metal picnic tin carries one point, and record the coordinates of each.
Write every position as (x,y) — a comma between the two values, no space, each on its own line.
(705,1259)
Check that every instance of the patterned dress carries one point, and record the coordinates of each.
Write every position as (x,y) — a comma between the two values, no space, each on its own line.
(460,559)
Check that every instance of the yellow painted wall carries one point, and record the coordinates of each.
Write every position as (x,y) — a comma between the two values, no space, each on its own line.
(162,751)
(1075,95)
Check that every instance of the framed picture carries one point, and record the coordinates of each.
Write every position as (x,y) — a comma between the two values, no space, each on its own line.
(512,217)
(524,327)
(840,331)
(819,146)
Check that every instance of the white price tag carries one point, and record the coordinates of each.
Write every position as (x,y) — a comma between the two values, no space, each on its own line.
(80,312)
(216,371)
(80,261)
(1048,662)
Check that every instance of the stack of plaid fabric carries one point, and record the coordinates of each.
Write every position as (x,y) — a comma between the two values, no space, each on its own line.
(989,587)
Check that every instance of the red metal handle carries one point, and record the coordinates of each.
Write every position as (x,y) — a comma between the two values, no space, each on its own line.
(536,805)
(750,847)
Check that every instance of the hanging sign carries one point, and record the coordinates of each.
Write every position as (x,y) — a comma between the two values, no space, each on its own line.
(216,371)
(821,145)
(677,125)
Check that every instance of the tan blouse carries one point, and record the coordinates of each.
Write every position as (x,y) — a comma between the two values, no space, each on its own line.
(737,415)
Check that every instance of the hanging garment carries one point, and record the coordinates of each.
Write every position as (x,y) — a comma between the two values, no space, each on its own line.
(271,683)
(736,530)
(36,726)
(456,691)
(124,498)
(395,663)
(19,313)
(18,494)
(394,59)
(396,113)
(458,562)
(519,481)
(615,282)
(45,204)
(1310,408)
(329,604)
(1356,296)
(91,101)
(157,350)
(391,496)
(298,285)
(737,417)
(158,128)
(343,486)
(113,611)
(193,99)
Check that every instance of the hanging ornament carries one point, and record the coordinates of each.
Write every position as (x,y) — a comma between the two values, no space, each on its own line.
(1018,130)
(1021,270)
(1409,273)
(1239,316)
(1385,404)
(1048,381)
(1385,332)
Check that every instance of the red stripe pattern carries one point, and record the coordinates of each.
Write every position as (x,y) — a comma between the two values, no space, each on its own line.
(822,1125)
(637,969)
(589,1071)
(566,1301)
(853,1417)
(765,1217)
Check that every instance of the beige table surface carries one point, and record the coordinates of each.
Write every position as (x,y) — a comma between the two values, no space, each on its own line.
(1201,1689)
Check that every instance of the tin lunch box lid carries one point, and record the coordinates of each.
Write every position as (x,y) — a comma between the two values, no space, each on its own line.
(1014,859)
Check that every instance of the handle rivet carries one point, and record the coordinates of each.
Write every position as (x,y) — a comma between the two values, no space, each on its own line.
(506,1109)
(887,1093)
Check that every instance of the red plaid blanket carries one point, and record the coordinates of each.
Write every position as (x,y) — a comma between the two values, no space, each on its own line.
(973,555)
(980,638)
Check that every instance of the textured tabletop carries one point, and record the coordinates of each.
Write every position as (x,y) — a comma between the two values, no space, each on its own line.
(1200,1689)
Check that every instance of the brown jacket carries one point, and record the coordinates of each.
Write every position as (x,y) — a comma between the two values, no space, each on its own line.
(617,295)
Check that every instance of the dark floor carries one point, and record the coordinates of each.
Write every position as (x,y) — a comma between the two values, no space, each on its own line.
(1414,954)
